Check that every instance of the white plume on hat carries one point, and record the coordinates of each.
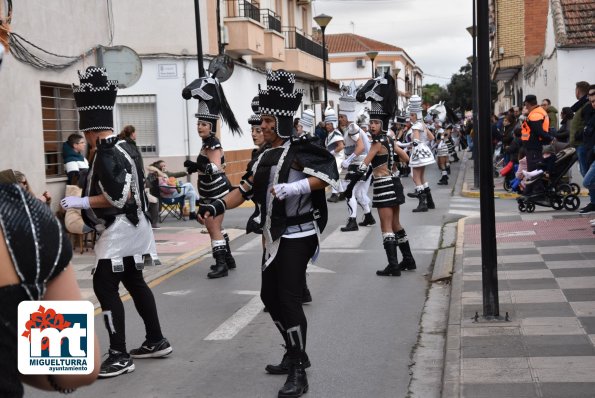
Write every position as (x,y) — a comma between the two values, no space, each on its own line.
(307,120)
(330,116)
(415,105)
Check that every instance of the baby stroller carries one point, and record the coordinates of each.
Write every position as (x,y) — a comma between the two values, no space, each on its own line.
(559,192)
(508,172)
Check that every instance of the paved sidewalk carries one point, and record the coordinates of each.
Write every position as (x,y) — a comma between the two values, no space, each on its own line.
(178,243)
(546,272)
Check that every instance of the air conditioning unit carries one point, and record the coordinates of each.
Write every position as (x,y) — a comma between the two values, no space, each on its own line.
(360,63)
(303,2)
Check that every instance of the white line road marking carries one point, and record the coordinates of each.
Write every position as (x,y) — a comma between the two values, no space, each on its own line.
(254,243)
(178,292)
(239,320)
(338,239)
(315,268)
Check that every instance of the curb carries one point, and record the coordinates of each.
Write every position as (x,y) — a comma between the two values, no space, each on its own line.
(451,377)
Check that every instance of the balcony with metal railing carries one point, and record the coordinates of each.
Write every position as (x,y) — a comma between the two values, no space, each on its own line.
(246,33)
(274,41)
(303,56)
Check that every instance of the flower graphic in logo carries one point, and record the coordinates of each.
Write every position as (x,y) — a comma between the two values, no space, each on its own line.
(43,319)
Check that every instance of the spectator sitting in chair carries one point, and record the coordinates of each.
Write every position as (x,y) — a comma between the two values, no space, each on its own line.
(159,168)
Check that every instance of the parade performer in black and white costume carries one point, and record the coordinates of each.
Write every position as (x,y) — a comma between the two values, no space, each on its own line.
(421,156)
(442,156)
(210,163)
(116,206)
(356,148)
(287,182)
(334,143)
(254,222)
(388,190)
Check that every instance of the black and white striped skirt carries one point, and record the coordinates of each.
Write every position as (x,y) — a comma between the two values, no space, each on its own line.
(388,192)
(211,187)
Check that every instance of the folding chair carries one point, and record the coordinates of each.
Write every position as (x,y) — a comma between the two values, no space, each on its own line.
(171,206)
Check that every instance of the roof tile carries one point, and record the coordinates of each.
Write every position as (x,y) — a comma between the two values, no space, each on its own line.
(579,18)
(352,43)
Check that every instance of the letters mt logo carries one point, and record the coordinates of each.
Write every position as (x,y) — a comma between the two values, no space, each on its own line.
(56,337)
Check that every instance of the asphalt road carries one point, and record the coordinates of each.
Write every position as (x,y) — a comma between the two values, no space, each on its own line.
(361,327)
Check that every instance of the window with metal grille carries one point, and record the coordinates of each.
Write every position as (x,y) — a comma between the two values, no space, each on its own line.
(140,111)
(59,120)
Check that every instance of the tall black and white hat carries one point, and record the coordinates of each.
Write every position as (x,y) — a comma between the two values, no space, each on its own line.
(280,100)
(330,116)
(382,94)
(307,120)
(347,101)
(415,106)
(211,103)
(95,99)
(254,119)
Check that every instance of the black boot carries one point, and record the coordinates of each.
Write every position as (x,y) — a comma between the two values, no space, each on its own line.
(448,169)
(368,220)
(351,225)
(408,262)
(296,384)
(429,199)
(334,198)
(392,269)
(456,157)
(220,270)
(423,205)
(283,367)
(443,180)
(229,260)
(414,194)
(341,196)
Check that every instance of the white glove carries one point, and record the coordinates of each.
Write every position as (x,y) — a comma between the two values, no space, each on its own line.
(345,164)
(75,202)
(300,187)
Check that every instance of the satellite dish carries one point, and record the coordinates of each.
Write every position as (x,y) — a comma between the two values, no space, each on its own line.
(122,64)
(221,67)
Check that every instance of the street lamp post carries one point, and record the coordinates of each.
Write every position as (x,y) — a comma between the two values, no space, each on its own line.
(489,257)
(323,20)
(372,55)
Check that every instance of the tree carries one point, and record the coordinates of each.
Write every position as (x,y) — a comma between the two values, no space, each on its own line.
(433,93)
(459,90)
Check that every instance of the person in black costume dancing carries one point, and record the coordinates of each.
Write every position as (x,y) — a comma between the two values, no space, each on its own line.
(287,183)
(388,190)
(210,164)
(116,206)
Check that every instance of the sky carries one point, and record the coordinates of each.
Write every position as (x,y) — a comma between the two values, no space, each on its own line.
(432,32)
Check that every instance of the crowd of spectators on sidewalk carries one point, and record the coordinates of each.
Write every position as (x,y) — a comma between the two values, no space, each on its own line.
(523,134)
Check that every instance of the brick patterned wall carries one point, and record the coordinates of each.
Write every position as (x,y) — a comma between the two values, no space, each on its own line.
(535,25)
(510,29)
(235,164)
